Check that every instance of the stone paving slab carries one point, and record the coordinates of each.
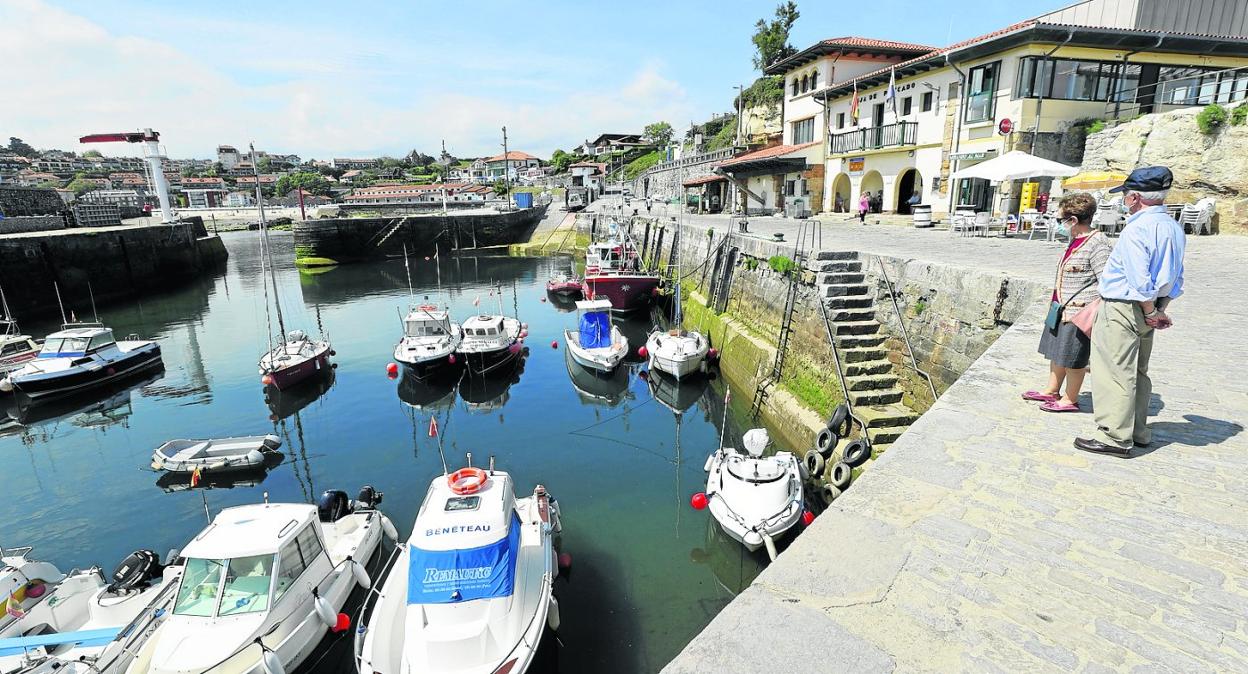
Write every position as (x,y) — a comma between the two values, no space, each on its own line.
(982,541)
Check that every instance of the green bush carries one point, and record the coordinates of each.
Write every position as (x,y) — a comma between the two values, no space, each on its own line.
(781,264)
(1239,115)
(640,164)
(1094,127)
(1211,119)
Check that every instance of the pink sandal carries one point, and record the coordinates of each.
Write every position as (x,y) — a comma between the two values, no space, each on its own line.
(1058,406)
(1037,396)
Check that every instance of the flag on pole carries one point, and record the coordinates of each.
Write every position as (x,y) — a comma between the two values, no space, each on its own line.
(727,395)
(891,94)
(196,476)
(853,106)
(433,427)
(14,607)
(476,302)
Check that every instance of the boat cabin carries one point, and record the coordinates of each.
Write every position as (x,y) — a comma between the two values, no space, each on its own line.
(484,327)
(426,322)
(248,558)
(75,342)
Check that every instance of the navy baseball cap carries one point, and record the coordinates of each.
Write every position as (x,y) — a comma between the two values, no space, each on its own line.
(1147,179)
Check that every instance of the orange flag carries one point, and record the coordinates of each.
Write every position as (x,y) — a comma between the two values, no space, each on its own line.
(433,427)
(195,477)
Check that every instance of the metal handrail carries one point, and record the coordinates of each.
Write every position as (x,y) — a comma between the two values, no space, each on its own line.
(840,373)
(873,137)
(892,295)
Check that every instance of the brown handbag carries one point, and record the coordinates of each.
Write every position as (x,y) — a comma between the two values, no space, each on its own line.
(1083,319)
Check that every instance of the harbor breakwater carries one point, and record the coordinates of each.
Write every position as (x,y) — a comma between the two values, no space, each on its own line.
(338,240)
(109,263)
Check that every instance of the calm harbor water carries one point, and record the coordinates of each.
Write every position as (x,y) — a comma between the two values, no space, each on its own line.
(648,571)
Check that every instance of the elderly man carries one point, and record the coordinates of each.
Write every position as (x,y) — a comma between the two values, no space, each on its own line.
(1144,273)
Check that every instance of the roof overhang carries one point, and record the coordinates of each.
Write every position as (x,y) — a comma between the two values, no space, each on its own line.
(821,49)
(704,180)
(1106,38)
(766,166)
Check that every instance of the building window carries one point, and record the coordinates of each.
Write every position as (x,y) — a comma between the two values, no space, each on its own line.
(981,90)
(794,86)
(804,131)
(840,120)
(905,106)
(927,102)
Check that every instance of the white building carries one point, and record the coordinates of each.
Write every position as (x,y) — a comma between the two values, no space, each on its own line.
(228,156)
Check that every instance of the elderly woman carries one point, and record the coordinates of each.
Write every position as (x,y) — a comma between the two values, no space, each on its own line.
(1078,274)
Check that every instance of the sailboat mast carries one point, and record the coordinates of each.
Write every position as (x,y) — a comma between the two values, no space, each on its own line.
(264,234)
(677,316)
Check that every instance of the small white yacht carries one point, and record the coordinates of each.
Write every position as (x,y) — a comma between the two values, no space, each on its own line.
(430,339)
(754,498)
(16,349)
(677,352)
(79,357)
(470,593)
(489,342)
(260,587)
(596,343)
(294,360)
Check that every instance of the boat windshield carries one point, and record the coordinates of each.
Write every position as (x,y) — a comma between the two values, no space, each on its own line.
(57,345)
(243,588)
(424,329)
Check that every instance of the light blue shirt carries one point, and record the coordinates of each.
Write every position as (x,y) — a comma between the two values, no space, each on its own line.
(1147,262)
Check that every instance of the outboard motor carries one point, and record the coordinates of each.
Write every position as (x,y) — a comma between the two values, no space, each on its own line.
(369,498)
(333,505)
(136,572)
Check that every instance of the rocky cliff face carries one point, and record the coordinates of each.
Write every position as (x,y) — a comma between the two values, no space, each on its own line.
(1204,166)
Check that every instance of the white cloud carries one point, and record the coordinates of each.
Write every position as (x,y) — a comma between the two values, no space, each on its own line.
(67,76)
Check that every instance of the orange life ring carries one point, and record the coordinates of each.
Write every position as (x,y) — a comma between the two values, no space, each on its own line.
(427,307)
(466,480)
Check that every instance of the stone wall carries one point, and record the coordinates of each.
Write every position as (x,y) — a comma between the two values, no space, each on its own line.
(16,201)
(31,223)
(664,181)
(1204,166)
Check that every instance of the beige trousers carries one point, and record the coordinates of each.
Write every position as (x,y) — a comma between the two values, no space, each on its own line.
(1121,346)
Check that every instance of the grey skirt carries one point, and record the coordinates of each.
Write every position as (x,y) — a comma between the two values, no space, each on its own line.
(1066,346)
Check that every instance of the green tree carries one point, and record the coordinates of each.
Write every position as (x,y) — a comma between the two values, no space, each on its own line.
(92,154)
(264,164)
(19,147)
(80,185)
(561,160)
(771,38)
(313,183)
(500,188)
(659,133)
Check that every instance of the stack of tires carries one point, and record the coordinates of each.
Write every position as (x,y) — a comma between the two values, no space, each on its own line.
(834,476)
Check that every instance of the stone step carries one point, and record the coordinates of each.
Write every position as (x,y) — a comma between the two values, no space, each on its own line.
(863,355)
(851,315)
(843,289)
(856,328)
(867,367)
(881,416)
(850,302)
(880,448)
(852,341)
(888,396)
(865,382)
(840,277)
(837,267)
(885,435)
(837,255)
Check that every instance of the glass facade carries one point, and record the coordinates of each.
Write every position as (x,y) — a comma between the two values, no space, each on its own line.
(804,131)
(1108,81)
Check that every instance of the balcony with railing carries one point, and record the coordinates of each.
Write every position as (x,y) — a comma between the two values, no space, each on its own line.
(874,138)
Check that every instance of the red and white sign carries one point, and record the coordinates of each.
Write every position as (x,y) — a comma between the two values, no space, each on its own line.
(1005,127)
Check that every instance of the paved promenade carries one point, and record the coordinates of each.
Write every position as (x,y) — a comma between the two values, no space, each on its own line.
(983,542)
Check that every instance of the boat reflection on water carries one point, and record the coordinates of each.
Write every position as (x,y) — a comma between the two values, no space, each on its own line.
(433,393)
(100,408)
(174,482)
(486,394)
(283,403)
(676,395)
(732,566)
(603,389)
(562,303)
(635,328)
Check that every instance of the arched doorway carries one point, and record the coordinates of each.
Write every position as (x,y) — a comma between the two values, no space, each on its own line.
(909,183)
(842,199)
(872,184)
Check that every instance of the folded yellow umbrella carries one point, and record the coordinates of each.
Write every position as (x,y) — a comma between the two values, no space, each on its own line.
(1094,180)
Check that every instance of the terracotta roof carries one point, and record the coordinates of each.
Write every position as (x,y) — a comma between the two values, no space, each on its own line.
(767,153)
(694,182)
(514,155)
(849,44)
(871,43)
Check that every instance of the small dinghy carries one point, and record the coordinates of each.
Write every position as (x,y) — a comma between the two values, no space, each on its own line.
(471,590)
(565,285)
(754,498)
(596,344)
(678,353)
(215,455)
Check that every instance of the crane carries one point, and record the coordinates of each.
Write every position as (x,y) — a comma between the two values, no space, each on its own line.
(151,153)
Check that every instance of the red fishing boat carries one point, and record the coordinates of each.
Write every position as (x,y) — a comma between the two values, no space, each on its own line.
(563,284)
(613,272)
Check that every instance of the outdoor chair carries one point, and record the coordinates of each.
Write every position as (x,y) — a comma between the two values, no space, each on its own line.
(1041,224)
(1198,218)
(984,221)
(1108,220)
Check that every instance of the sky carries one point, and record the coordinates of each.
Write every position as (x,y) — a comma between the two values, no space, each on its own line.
(347,79)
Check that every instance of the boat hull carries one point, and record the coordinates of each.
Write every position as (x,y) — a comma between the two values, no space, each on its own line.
(626,292)
(481,363)
(564,289)
(43,387)
(286,376)
(679,362)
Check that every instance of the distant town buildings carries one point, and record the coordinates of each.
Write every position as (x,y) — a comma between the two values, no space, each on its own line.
(420,194)
(340,163)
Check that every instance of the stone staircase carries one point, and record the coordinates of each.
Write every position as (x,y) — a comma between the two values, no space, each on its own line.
(874,388)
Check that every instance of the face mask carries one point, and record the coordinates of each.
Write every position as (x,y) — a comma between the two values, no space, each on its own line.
(1063,228)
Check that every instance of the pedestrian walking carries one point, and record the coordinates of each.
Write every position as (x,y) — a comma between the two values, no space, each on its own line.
(864,205)
(1143,275)
(1078,272)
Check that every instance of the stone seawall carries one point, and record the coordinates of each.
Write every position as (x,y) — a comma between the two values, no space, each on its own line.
(31,223)
(663,181)
(117,262)
(356,239)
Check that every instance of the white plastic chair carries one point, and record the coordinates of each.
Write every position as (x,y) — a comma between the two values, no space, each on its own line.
(1041,224)
(983,220)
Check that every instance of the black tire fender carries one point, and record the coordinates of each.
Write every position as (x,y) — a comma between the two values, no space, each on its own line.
(829,494)
(840,475)
(856,453)
(825,442)
(814,464)
(839,422)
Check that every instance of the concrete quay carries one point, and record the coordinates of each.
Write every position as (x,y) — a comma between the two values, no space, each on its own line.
(982,541)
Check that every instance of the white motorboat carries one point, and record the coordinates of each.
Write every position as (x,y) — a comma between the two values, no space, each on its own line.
(16,349)
(490,342)
(754,498)
(260,587)
(429,340)
(470,593)
(79,357)
(677,352)
(217,455)
(596,343)
(52,615)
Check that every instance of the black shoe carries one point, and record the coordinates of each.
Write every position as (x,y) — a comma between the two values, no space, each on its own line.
(1099,447)
(1142,445)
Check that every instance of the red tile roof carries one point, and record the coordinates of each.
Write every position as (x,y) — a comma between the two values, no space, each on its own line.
(514,155)
(767,153)
(871,43)
(694,182)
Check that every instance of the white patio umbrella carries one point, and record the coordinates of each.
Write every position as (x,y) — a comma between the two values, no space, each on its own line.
(1016,165)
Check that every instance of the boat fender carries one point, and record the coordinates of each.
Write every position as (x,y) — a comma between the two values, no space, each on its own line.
(6,385)
(333,505)
(839,422)
(771,546)
(387,526)
(552,614)
(272,664)
(706,467)
(829,493)
(272,442)
(814,464)
(361,574)
(136,571)
(333,353)
(825,442)
(856,453)
(840,475)
(254,457)
(323,610)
